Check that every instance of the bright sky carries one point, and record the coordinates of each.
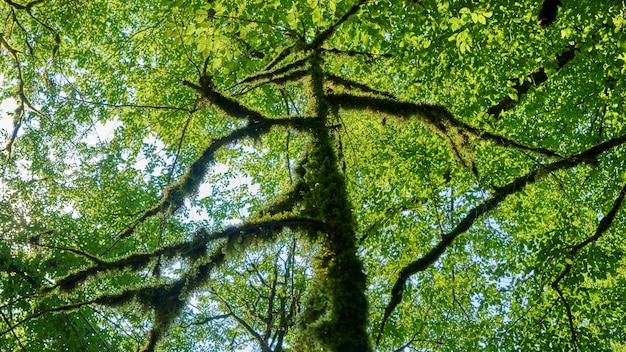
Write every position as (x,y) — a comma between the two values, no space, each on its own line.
(6,121)
(106,132)
(6,125)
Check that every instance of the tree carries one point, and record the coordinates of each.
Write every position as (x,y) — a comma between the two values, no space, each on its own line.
(304,175)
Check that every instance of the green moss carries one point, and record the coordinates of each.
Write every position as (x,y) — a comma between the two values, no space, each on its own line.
(335,314)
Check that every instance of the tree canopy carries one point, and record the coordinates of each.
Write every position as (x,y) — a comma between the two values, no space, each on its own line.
(341,175)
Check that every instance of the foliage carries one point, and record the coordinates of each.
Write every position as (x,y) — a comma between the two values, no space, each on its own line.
(343,175)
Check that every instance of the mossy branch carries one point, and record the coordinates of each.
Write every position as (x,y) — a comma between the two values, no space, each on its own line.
(189,183)
(500,194)
(262,229)
(174,196)
(233,108)
(279,81)
(351,85)
(169,299)
(351,53)
(104,300)
(437,117)
(286,203)
(266,76)
(192,250)
(282,55)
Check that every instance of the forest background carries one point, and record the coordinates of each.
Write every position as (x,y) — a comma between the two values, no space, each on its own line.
(312,175)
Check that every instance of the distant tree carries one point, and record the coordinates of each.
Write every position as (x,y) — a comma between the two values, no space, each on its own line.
(312,175)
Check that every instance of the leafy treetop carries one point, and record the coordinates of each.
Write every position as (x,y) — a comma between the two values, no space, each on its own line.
(304,175)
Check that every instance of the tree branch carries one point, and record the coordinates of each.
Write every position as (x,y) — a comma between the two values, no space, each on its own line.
(548,12)
(350,85)
(191,249)
(262,343)
(279,81)
(500,194)
(26,7)
(319,40)
(138,106)
(209,319)
(167,299)
(570,318)
(535,78)
(435,116)
(328,32)
(604,224)
(12,329)
(267,75)
(350,53)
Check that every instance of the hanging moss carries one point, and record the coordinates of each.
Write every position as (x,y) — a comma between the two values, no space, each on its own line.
(169,307)
(313,322)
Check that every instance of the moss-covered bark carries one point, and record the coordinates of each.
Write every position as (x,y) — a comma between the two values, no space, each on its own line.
(335,314)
